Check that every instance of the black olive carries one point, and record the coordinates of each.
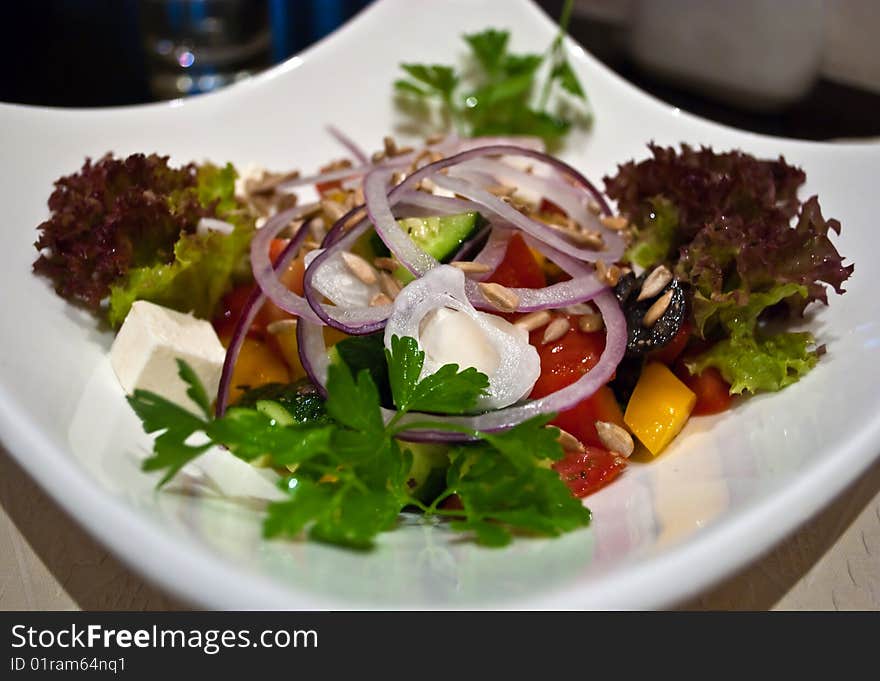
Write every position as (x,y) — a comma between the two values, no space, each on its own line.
(640,338)
(625,378)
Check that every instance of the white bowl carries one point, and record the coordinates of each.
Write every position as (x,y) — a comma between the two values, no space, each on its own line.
(729,488)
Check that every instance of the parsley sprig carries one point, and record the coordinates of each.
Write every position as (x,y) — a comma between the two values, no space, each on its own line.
(497,92)
(350,472)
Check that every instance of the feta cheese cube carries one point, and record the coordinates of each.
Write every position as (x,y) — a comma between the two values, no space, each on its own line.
(145,352)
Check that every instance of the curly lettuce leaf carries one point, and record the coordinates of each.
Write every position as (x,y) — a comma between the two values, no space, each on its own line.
(126,229)
(194,282)
(202,266)
(754,364)
(723,223)
(748,359)
(656,241)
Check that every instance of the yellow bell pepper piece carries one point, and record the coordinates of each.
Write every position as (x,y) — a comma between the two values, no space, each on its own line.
(659,407)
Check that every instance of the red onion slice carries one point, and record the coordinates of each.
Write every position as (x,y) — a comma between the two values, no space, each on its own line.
(265,274)
(434,310)
(492,253)
(537,229)
(379,204)
(354,321)
(248,313)
(359,155)
(568,197)
(378,201)
(561,400)
(313,355)
(438,205)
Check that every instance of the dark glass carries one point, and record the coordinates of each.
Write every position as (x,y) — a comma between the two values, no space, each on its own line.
(195,46)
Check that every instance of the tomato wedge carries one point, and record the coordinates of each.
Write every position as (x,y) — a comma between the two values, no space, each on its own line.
(589,471)
(519,268)
(712,391)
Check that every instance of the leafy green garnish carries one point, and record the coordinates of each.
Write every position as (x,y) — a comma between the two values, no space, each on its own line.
(200,272)
(497,93)
(654,243)
(351,472)
(446,391)
(747,358)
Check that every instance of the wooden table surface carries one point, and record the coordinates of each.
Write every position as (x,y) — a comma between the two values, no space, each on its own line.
(48,562)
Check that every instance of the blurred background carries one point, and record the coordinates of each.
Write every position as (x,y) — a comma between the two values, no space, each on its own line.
(800,68)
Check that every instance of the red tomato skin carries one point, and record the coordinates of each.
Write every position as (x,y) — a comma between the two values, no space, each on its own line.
(581,419)
(324,188)
(589,471)
(548,206)
(562,363)
(565,360)
(233,302)
(231,306)
(712,391)
(519,269)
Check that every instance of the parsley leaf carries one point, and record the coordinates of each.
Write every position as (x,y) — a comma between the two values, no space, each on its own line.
(500,495)
(496,93)
(528,442)
(196,390)
(446,391)
(354,402)
(489,48)
(439,79)
(567,79)
(174,423)
(351,477)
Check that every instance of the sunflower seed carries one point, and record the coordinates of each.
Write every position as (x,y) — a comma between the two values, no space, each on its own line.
(281,326)
(359,267)
(615,438)
(390,145)
(655,282)
(332,209)
(427,185)
(617,222)
(657,309)
(469,267)
(500,297)
(397,178)
(387,264)
(590,239)
(390,286)
(555,330)
(501,190)
(436,138)
(379,299)
(569,442)
(591,322)
(378,156)
(594,207)
(607,274)
(533,320)
(268,184)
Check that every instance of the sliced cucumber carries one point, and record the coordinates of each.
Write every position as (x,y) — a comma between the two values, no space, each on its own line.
(440,236)
(427,475)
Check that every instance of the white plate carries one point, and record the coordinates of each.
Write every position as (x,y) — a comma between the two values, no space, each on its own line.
(729,488)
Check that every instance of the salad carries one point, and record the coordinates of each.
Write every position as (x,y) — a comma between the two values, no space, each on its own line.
(462,327)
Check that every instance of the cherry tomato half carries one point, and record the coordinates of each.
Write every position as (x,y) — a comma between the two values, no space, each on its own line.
(519,268)
(712,391)
(588,471)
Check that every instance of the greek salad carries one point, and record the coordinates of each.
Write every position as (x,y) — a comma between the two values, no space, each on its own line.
(466,327)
